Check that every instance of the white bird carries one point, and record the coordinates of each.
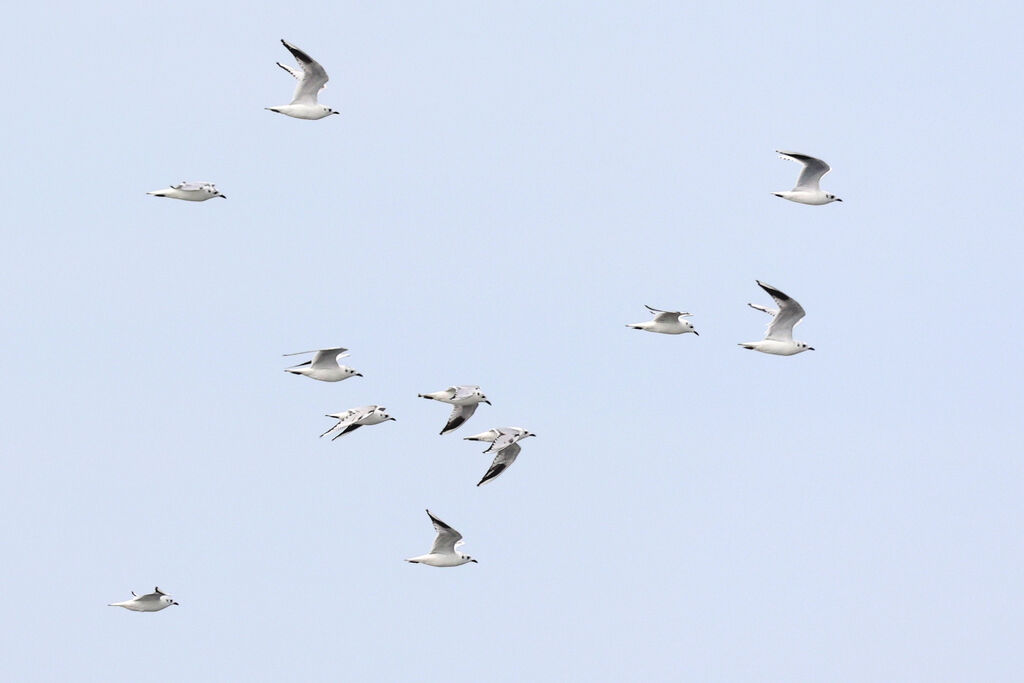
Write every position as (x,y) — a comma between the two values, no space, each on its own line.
(190,192)
(504,441)
(354,418)
(779,338)
(464,397)
(311,81)
(443,554)
(807,190)
(665,322)
(492,434)
(150,602)
(324,366)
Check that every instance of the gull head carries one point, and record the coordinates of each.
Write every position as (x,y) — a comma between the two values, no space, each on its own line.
(467,558)
(688,326)
(832,198)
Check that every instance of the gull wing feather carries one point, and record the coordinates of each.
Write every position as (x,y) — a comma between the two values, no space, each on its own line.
(458,416)
(812,172)
(790,313)
(447,537)
(343,420)
(328,358)
(665,316)
(505,457)
(296,73)
(313,76)
(770,311)
(505,439)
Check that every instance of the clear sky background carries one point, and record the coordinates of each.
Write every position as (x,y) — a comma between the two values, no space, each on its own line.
(506,187)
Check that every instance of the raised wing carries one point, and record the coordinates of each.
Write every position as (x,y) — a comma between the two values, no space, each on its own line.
(328,358)
(447,537)
(505,457)
(812,172)
(313,76)
(459,415)
(790,313)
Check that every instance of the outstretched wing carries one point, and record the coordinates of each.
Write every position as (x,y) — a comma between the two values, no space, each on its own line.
(790,313)
(313,76)
(447,537)
(459,415)
(812,172)
(505,457)
(328,358)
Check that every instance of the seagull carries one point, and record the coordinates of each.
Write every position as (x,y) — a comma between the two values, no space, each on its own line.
(312,80)
(150,602)
(492,434)
(443,553)
(464,397)
(779,338)
(665,322)
(504,441)
(354,418)
(324,365)
(191,192)
(807,190)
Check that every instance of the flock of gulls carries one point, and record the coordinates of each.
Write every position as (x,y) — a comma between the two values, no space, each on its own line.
(464,399)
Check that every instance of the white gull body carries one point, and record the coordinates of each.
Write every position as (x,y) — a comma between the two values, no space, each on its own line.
(354,418)
(312,80)
(150,602)
(778,340)
(505,444)
(465,398)
(443,553)
(324,366)
(189,191)
(807,190)
(665,322)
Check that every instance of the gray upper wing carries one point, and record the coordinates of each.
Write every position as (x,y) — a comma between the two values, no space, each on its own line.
(447,537)
(505,457)
(812,172)
(313,76)
(790,313)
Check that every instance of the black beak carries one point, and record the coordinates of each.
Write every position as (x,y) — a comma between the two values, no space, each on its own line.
(474,561)
(696,333)
(488,403)
(173,602)
(810,348)
(392,419)
(359,374)
(838,199)
(223,196)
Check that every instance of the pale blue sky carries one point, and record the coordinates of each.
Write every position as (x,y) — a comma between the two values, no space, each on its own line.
(506,187)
